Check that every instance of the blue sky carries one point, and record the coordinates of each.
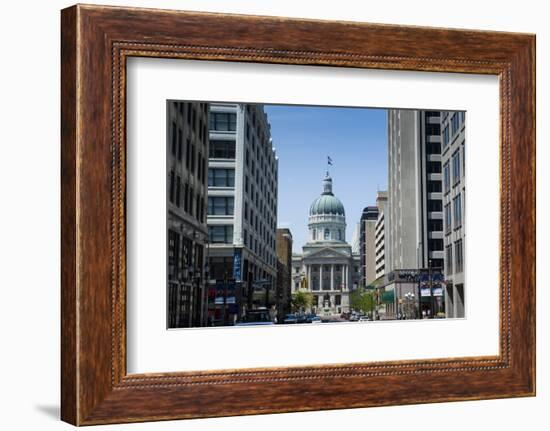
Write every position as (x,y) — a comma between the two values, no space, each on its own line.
(303,136)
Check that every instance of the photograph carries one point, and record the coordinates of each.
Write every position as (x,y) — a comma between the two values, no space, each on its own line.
(272,200)
(291,214)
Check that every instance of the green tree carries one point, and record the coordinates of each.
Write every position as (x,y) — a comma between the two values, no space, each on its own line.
(301,300)
(362,300)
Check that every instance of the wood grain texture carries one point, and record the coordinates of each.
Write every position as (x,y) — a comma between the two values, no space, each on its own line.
(96,41)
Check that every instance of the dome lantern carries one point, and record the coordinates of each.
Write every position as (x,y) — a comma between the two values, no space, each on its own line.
(327,185)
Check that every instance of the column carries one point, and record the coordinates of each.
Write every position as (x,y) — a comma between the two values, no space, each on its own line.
(308,272)
(345,277)
(332,277)
(321,277)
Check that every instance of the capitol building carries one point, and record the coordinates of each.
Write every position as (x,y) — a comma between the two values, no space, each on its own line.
(327,268)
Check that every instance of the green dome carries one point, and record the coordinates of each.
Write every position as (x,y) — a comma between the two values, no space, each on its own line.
(327,204)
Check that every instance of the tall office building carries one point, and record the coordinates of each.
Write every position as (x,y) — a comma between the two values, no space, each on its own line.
(414,190)
(187,149)
(242,211)
(380,234)
(367,252)
(415,205)
(454,195)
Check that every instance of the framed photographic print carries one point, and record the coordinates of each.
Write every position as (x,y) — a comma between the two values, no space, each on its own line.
(328,214)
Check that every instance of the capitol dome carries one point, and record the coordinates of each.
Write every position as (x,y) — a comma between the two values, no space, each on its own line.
(327,204)
(327,217)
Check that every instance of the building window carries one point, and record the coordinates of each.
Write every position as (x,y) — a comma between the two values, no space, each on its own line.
(434,186)
(449,259)
(327,234)
(220,205)
(219,149)
(198,206)
(223,121)
(434,205)
(435,244)
(180,144)
(337,300)
(221,177)
(447,177)
(459,257)
(433,225)
(455,120)
(199,165)
(314,234)
(433,129)
(173,253)
(457,211)
(188,153)
(456,167)
(445,137)
(339,234)
(178,191)
(174,138)
(193,158)
(172,186)
(191,200)
(220,267)
(434,167)
(221,234)
(186,198)
(448,221)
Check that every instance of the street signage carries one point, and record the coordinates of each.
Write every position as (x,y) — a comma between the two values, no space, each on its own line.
(237,263)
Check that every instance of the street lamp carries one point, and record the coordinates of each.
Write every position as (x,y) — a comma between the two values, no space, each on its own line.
(205,286)
(409,302)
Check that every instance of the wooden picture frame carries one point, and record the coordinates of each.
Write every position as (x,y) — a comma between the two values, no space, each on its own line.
(95,43)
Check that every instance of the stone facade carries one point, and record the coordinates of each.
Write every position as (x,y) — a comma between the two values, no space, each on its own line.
(453,126)
(242,211)
(187,150)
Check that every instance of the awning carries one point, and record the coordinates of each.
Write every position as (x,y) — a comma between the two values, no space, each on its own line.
(388,297)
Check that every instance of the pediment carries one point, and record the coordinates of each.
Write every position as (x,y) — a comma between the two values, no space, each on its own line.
(326,253)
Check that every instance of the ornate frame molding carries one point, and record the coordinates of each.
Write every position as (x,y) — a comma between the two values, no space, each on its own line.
(96,42)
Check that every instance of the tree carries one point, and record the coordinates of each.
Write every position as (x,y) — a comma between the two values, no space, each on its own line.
(301,300)
(362,300)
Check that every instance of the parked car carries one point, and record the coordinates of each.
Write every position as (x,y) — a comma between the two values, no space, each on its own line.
(256,317)
(364,319)
(315,319)
(290,318)
(302,318)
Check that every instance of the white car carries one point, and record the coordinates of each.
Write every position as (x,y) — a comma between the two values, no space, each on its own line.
(364,319)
